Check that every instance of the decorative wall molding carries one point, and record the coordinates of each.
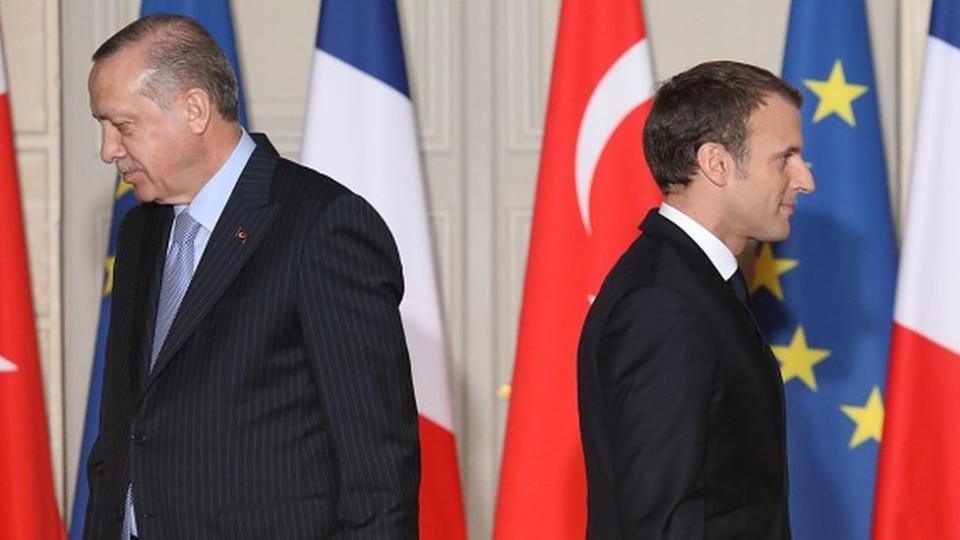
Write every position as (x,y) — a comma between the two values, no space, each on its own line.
(529,29)
(913,28)
(431,52)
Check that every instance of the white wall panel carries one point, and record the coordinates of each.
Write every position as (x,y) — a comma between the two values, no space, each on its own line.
(914,24)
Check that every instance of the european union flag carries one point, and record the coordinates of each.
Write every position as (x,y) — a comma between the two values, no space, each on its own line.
(215,17)
(825,296)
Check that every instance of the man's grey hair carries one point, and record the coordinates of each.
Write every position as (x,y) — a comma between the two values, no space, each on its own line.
(180,55)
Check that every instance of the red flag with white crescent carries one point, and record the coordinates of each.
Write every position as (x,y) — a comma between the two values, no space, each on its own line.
(593,190)
(28,509)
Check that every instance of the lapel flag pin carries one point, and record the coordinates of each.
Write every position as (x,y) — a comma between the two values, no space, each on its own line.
(241,235)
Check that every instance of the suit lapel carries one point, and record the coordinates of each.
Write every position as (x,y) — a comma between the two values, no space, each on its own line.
(156,231)
(240,229)
(712,281)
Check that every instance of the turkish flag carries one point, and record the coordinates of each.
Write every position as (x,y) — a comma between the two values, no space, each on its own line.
(28,509)
(593,190)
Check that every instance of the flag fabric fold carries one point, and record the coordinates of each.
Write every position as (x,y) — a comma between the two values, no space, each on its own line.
(593,190)
(824,297)
(28,507)
(918,486)
(216,17)
(360,130)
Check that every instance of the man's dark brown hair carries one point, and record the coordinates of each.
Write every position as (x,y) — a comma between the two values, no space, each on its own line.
(711,102)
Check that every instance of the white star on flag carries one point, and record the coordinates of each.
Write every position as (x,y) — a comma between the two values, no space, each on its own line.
(6,365)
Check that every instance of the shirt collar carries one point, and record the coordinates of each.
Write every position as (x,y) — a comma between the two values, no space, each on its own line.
(212,198)
(718,252)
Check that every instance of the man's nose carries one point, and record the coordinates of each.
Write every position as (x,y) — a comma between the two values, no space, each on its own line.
(804,181)
(111,148)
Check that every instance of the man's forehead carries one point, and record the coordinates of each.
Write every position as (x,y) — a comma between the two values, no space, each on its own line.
(115,91)
(129,60)
(122,70)
(776,122)
(773,106)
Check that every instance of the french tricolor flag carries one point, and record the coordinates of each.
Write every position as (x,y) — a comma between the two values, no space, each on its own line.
(360,130)
(918,487)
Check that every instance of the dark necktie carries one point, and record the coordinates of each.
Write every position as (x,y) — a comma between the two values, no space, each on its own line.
(739,286)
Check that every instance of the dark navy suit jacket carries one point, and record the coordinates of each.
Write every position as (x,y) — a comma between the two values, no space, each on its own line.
(681,402)
(281,404)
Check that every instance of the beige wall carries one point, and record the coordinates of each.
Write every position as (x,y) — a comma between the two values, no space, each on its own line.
(479,70)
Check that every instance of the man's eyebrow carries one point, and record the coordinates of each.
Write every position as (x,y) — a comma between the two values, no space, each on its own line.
(788,151)
(112,118)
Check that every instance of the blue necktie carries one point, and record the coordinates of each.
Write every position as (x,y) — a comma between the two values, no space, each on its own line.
(177,272)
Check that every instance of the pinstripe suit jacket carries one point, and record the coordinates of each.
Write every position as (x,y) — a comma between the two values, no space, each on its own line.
(281,404)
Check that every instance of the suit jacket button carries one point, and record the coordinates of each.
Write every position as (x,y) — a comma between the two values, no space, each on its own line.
(138,437)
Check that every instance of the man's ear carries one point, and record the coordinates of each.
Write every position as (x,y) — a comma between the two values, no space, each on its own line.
(198,109)
(715,162)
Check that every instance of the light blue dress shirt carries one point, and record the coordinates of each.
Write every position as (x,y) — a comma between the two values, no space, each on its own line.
(209,203)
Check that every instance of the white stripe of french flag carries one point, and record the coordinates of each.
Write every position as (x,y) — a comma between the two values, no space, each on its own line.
(918,486)
(360,130)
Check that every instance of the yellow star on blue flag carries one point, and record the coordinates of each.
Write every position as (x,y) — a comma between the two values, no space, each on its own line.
(767,271)
(868,419)
(835,95)
(798,359)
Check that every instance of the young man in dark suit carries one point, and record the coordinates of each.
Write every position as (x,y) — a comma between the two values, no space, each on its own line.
(257,383)
(681,400)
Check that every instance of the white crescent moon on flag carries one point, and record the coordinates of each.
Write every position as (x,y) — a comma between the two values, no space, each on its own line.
(6,365)
(624,87)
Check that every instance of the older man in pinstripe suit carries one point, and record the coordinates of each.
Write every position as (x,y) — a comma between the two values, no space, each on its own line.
(257,383)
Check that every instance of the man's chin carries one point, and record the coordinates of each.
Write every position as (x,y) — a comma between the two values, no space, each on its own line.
(143,195)
(778,235)
(786,229)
